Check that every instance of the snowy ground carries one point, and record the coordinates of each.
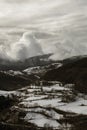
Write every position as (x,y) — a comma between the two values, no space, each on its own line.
(46,105)
(40,103)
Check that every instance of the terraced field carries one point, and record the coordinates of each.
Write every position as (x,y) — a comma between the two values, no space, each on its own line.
(54,107)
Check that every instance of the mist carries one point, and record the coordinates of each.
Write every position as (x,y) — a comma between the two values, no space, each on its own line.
(36,27)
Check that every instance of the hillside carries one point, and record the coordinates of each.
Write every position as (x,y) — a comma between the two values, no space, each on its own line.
(71,72)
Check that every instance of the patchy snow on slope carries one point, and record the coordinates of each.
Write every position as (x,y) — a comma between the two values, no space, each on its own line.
(79,106)
(46,105)
(15,72)
(40,120)
(54,88)
(32,69)
(31,98)
(6,93)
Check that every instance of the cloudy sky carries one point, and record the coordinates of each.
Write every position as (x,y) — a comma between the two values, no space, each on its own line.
(57,26)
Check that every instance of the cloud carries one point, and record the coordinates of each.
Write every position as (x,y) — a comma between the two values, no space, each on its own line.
(58,26)
(27,46)
(16,1)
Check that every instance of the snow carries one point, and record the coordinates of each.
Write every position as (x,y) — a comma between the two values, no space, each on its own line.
(40,120)
(79,106)
(54,88)
(15,72)
(42,105)
(32,69)
(46,102)
(6,93)
(35,98)
(10,93)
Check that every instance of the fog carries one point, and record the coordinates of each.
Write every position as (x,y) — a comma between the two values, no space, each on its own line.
(33,27)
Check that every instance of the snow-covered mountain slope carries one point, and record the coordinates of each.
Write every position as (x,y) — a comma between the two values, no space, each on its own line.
(40,60)
(72,71)
(52,102)
(48,107)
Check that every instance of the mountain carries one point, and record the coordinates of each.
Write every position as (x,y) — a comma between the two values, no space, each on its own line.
(17,74)
(21,73)
(40,60)
(51,92)
(73,71)
(11,82)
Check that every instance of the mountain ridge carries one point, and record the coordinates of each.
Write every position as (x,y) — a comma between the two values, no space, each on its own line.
(40,60)
(72,72)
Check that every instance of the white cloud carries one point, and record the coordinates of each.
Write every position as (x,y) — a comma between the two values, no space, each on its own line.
(61,26)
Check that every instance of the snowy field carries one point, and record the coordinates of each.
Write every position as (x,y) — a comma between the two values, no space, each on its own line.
(46,105)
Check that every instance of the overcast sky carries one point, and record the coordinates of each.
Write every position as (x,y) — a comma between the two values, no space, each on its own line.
(18,11)
(60,25)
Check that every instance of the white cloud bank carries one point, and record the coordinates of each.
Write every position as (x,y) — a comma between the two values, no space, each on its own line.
(58,26)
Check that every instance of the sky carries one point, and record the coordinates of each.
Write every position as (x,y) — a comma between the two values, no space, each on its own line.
(51,26)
